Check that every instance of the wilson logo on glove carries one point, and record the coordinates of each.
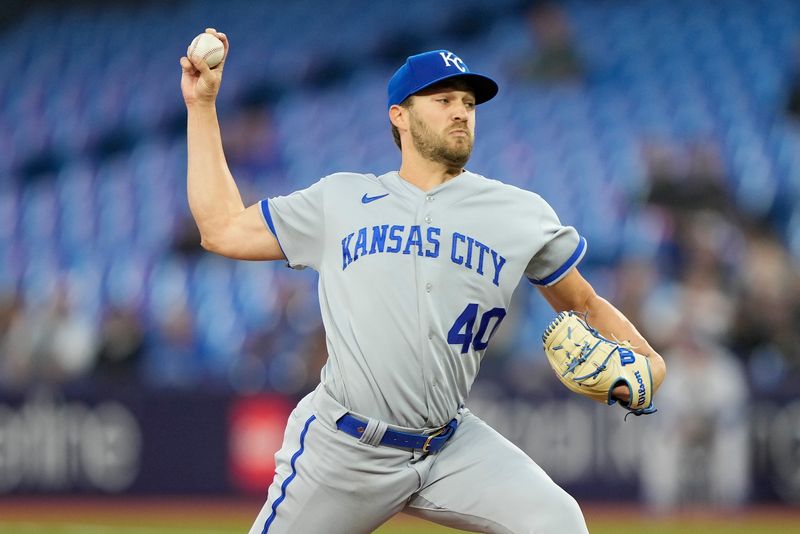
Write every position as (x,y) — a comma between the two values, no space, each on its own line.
(592,365)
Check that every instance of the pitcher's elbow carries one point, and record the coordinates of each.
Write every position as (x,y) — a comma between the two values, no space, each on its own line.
(658,369)
(210,243)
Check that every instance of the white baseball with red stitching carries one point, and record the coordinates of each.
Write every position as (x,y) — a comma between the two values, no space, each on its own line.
(206,46)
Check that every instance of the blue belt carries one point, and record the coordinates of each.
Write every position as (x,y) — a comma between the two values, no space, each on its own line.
(394,438)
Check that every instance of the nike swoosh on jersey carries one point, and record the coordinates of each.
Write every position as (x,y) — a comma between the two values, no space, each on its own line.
(366,200)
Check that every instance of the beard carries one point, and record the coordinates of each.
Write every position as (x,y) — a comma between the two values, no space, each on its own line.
(438,148)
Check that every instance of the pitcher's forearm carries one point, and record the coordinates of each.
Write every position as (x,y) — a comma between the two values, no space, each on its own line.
(212,191)
(610,322)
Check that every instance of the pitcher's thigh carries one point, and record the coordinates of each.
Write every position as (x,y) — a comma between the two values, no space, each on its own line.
(483,483)
(326,482)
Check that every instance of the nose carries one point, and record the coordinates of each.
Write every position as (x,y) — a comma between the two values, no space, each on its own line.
(459,112)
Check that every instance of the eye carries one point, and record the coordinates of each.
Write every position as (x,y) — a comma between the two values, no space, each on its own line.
(470,105)
(443,100)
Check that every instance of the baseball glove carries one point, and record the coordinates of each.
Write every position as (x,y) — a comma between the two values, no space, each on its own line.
(592,365)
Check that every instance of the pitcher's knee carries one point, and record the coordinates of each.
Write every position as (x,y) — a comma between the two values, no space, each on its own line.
(559,513)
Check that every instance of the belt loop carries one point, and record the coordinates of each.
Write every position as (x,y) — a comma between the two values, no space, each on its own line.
(373,433)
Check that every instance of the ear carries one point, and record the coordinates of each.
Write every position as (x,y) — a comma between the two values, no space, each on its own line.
(398,115)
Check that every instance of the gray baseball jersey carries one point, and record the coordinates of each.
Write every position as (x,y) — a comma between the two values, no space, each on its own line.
(412,287)
(413,284)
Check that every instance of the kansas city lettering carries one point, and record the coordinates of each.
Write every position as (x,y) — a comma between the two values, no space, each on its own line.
(424,242)
(463,253)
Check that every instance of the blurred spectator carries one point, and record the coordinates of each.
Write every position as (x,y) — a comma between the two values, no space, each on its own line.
(171,354)
(121,345)
(51,344)
(766,321)
(636,279)
(686,176)
(556,57)
(11,312)
(793,100)
(10,307)
(699,448)
(793,105)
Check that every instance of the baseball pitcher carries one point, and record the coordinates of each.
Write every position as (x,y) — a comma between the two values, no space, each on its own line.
(416,272)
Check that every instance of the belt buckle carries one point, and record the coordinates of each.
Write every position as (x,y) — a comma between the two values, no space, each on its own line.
(430,438)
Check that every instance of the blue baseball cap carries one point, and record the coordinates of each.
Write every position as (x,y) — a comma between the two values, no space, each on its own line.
(423,70)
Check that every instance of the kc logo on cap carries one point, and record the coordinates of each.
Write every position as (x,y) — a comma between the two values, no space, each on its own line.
(450,57)
(425,69)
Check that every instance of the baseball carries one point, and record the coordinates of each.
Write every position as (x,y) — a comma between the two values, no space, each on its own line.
(206,46)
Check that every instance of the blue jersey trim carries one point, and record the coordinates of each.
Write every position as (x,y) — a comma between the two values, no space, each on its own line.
(267,216)
(289,479)
(264,204)
(572,261)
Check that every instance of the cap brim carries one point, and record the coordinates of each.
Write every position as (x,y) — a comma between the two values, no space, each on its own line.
(484,87)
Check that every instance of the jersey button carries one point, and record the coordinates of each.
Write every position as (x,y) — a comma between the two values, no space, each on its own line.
(428,219)
(428,287)
(429,198)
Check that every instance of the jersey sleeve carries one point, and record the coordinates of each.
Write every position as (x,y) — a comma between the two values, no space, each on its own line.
(297,222)
(563,248)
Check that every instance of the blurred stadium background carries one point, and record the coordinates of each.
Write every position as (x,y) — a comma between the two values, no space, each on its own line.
(139,373)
